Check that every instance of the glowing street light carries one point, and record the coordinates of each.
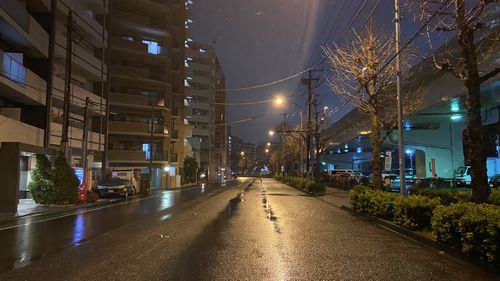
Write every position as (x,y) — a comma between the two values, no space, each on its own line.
(267,150)
(268,144)
(242,153)
(271,133)
(278,101)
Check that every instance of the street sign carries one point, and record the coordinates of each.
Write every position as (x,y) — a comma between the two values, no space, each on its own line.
(388,161)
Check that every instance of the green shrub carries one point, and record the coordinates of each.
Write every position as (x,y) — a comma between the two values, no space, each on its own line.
(495,197)
(415,211)
(315,187)
(377,203)
(446,197)
(472,228)
(41,187)
(65,181)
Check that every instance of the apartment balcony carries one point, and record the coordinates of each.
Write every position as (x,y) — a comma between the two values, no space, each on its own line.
(137,129)
(200,119)
(78,96)
(139,52)
(137,101)
(19,28)
(199,66)
(12,130)
(139,73)
(83,59)
(95,141)
(20,84)
(149,7)
(199,80)
(200,132)
(83,21)
(126,155)
(198,93)
(200,105)
(135,156)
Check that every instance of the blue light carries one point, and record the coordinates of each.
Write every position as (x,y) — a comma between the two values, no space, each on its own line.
(456,117)
(359,150)
(455,107)
(409,151)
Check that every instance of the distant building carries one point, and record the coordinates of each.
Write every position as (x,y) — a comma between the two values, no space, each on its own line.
(147,125)
(205,84)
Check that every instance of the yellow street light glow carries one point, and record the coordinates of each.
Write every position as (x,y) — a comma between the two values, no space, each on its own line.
(271,133)
(242,153)
(268,144)
(279,101)
(267,150)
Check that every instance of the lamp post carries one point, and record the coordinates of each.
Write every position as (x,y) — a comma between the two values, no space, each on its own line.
(280,101)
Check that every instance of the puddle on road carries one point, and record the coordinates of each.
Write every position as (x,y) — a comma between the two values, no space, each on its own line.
(233,203)
(268,211)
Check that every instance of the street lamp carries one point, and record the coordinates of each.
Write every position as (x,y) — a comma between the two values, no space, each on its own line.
(267,150)
(271,133)
(278,101)
(268,144)
(242,153)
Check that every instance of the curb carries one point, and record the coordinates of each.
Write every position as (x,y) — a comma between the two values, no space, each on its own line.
(63,209)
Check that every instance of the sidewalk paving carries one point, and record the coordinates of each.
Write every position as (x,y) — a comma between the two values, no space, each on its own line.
(337,197)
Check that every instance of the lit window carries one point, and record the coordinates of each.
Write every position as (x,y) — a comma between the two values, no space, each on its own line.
(153,47)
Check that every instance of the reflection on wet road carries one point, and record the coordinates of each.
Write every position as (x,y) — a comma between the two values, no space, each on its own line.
(31,238)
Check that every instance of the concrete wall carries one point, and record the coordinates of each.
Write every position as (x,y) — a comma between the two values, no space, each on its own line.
(9,189)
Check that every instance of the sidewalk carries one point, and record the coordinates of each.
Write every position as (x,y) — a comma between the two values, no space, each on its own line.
(337,197)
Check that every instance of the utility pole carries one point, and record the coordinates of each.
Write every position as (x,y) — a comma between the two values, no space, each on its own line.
(67,87)
(284,144)
(50,73)
(308,81)
(107,89)
(402,180)
(85,135)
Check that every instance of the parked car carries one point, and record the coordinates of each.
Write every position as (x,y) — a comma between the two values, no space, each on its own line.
(347,178)
(462,176)
(115,186)
(495,181)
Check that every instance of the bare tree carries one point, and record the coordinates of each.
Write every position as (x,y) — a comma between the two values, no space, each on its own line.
(469,20)
(364,73)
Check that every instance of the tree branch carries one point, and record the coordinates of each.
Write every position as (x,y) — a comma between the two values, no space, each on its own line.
(489,75)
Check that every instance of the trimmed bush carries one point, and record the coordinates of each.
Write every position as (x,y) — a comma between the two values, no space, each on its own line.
(65,181)
(472,228)
(41,187)
(315,187)
(446,197)
(495,197)
(377,203)
(415,211)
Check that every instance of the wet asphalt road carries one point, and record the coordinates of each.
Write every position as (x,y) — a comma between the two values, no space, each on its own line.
(225,233)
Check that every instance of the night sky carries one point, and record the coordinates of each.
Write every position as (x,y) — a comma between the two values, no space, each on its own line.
(259,41)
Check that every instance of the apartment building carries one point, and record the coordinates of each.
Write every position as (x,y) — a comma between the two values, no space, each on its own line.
(148,109)
(219,157)
(205,84)
(47,86)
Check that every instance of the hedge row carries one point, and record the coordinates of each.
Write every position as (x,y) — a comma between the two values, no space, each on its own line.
(472,228)
(302,183)
(414,211)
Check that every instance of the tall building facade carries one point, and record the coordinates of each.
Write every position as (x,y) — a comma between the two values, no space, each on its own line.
(205,84)
(148,109)
(53,74)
